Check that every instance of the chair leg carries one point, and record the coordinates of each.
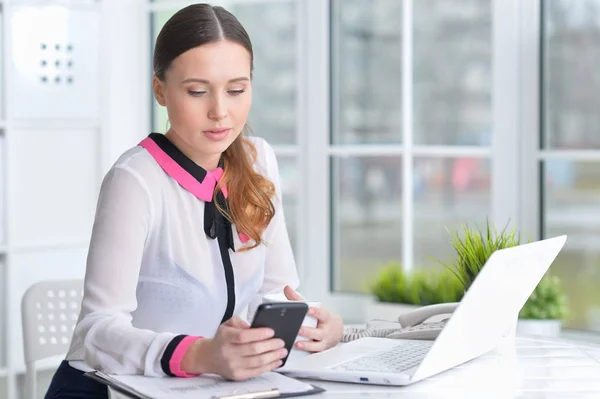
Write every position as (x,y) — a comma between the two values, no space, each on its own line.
(30,382)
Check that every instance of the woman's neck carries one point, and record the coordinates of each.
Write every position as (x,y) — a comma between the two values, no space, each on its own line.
(206,161)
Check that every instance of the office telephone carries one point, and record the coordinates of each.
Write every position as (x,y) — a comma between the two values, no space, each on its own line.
(410,325)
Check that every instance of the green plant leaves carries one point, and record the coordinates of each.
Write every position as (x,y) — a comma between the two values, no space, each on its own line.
(419,287)
(472,248)
(547,301)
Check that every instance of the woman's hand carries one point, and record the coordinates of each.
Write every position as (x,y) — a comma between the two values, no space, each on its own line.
(237,352)
(329,330)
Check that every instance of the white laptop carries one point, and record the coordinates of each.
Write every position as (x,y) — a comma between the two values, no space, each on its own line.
(488,310)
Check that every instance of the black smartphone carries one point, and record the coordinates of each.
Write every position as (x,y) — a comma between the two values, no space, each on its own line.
(285,318)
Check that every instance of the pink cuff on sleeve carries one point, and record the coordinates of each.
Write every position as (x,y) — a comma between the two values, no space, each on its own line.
(175,361)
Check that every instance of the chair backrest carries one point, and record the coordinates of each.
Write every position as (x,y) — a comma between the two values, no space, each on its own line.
(49,312)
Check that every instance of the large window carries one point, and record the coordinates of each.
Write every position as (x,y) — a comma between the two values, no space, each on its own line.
(416,142)
(382,118)
(571,123)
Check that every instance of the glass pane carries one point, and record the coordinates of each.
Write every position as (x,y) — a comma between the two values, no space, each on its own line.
(571,197)
(571,75)
(159,114)
(3,187)
(366,71)
(448,192)
(288,172)
(272,29)
(452,72)
(3,316)
(367,218)
(2,110)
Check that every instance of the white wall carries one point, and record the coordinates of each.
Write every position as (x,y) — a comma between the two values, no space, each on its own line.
(55,246)
(125,73)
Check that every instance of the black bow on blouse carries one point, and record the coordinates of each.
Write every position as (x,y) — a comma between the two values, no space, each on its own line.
(216,225)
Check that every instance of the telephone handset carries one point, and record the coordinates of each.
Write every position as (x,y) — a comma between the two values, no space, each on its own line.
(411,325)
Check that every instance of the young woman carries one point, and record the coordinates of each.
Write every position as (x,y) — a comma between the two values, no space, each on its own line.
(189,229)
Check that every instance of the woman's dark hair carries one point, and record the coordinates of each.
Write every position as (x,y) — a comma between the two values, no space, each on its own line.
(249,201)
(194,26)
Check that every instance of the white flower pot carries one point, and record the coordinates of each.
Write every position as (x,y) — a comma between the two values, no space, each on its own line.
(386,310)
(545,328)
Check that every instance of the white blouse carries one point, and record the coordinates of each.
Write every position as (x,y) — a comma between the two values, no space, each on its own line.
(152,272)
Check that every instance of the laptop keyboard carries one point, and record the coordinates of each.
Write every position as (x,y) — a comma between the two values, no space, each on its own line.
(395,360)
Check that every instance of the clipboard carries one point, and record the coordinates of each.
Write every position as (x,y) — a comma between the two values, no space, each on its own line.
(249,395)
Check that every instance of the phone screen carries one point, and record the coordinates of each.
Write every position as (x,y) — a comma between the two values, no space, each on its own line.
(285,318)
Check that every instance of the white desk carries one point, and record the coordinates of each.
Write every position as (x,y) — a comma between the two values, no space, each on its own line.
(524,368)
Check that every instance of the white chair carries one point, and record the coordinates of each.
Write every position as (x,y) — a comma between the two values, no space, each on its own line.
(49,312)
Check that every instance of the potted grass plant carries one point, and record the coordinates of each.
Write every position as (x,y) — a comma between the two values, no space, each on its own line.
(543,312)
(473,247)
(396,291)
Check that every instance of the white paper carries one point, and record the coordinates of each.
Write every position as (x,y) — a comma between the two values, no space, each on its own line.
(205,386)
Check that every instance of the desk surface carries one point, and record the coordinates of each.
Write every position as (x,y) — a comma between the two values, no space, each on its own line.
(523,368)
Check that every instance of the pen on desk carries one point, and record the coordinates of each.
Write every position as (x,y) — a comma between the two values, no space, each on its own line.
(272,393)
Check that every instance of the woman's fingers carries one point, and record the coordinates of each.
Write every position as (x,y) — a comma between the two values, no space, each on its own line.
(237,322)
(313,333)
(246,373)
(260,347)
(317,341)
(265,358)
(245,336)
(321,314)
(312,346)
(291,294)
(257,362)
